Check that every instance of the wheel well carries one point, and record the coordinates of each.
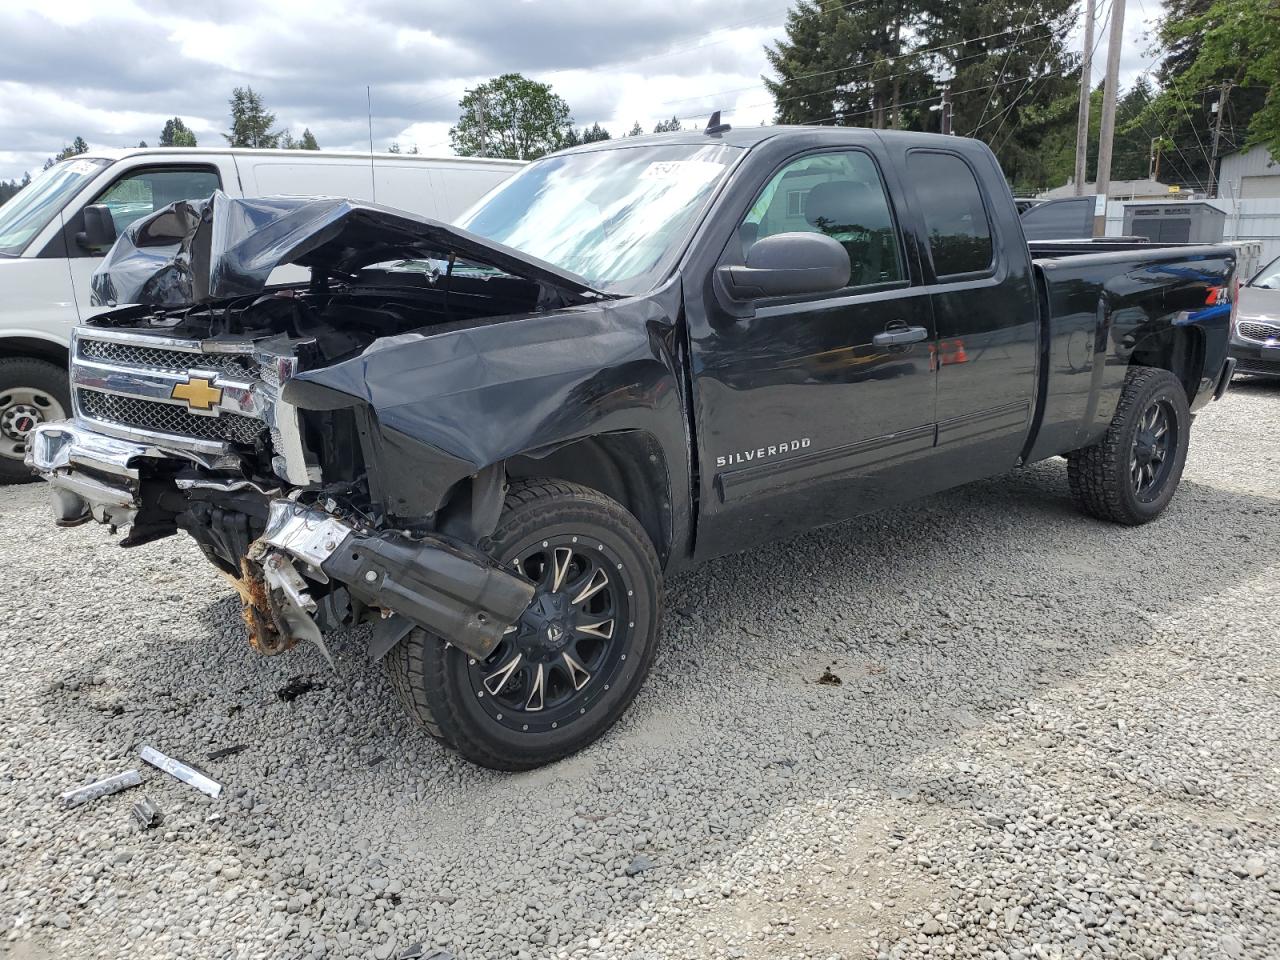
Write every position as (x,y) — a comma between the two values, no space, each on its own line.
(35,348)
(628,467)
(1180,350)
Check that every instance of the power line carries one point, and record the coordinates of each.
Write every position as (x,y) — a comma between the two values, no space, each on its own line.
(840,87)
(855,66)
(860,113)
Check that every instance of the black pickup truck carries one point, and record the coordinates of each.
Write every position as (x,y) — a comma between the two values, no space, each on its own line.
(493,441)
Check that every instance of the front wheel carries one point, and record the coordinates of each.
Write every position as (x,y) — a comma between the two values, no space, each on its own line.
(564,672)
(1131,474)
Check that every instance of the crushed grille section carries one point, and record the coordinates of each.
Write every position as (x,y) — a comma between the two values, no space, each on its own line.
(1256,330)
(174,361)
(168,418)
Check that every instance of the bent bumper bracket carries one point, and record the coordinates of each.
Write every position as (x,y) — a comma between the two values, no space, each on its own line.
(449,589)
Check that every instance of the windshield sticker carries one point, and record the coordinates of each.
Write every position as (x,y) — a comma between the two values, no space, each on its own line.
(81,166)
(687,171)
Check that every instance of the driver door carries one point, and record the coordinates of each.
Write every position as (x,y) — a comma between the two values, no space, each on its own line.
(811,409)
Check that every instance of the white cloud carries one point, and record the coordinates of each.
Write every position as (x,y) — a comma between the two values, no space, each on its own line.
(113,73)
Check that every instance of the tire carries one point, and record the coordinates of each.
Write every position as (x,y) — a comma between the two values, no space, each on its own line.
(31,391)
(1127,476)
(555,682)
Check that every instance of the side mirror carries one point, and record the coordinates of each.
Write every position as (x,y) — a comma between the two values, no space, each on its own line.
(99,229)
(788,264)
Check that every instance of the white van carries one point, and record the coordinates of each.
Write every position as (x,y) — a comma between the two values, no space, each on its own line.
(49,248)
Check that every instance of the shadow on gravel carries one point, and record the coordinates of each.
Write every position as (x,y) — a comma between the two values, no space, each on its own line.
(932,618)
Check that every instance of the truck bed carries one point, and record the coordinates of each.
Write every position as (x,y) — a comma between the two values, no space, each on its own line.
(1100,303)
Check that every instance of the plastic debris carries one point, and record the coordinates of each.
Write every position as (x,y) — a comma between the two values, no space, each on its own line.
(176,768)
(418,952)
(227,751)
(147,813)
(92,791)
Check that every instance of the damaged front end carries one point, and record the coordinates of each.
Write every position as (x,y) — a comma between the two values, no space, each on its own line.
(182,422)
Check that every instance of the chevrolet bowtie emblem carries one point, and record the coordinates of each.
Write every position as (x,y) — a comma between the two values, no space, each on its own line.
(199,394)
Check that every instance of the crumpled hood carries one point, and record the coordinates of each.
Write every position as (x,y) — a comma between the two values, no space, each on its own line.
(195,251)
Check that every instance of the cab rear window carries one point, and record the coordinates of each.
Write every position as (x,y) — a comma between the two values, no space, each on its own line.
(954,213)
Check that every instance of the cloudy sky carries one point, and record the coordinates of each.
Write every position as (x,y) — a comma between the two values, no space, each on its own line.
(113,71)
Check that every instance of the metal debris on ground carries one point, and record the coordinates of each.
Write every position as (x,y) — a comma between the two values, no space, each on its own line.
(176,768)
(92,791)
(147,813)
(295,688)
(227,751)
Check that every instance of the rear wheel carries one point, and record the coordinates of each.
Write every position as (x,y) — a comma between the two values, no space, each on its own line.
(1131,474)
(564,672)
(31,392)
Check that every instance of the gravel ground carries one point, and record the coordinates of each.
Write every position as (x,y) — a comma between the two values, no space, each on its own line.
(982,725)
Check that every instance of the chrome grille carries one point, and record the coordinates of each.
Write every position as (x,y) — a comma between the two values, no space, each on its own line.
(178,361)
(167,418)
(1258,330)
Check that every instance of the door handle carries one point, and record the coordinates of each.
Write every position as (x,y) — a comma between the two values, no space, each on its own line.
(899,336)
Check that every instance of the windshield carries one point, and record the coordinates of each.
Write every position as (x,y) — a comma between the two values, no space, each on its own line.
(1268,277)
(614,217)
(32,207)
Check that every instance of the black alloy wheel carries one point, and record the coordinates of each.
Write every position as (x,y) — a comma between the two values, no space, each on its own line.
(1154,450)
(571,665)
(1131,473)
(561,656)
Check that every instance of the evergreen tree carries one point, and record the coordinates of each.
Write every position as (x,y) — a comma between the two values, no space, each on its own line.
(667,126)
(851,64)
(176,134)
(636,130)
(1008,75)
(250,121)
(308,141)
(394,147)
(594,134)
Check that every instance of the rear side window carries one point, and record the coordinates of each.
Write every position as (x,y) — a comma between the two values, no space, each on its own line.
(954,214)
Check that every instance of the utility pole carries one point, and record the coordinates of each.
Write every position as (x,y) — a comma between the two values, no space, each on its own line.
(1086,84)
(1219,108)
(1106,137)
(946,108)
(484,127)
(1153,170)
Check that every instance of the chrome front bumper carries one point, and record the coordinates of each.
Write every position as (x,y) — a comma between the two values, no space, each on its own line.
(93,476)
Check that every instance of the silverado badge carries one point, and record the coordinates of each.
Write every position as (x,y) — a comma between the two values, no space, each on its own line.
(199,394)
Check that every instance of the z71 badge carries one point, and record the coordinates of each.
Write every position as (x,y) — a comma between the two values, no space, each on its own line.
(763,453)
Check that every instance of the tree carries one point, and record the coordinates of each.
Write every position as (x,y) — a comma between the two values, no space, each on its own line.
(394,147)
(636,130)
(594,134)
(851,64)
(413,151)
(1013,83)
(1211,42)
(308,141)
(511,117)
(142,144)
(667,126)
(250,121)
(176,134)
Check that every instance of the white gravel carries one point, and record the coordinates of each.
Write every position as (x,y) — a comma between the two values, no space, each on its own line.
(1051,738)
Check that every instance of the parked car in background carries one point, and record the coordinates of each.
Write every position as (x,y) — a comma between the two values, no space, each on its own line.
(54,233)
(632,357)
(1255,335)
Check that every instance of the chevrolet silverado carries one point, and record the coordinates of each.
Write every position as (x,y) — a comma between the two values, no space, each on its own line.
(494,440)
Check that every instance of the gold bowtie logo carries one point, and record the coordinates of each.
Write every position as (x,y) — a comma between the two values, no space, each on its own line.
(198,393)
